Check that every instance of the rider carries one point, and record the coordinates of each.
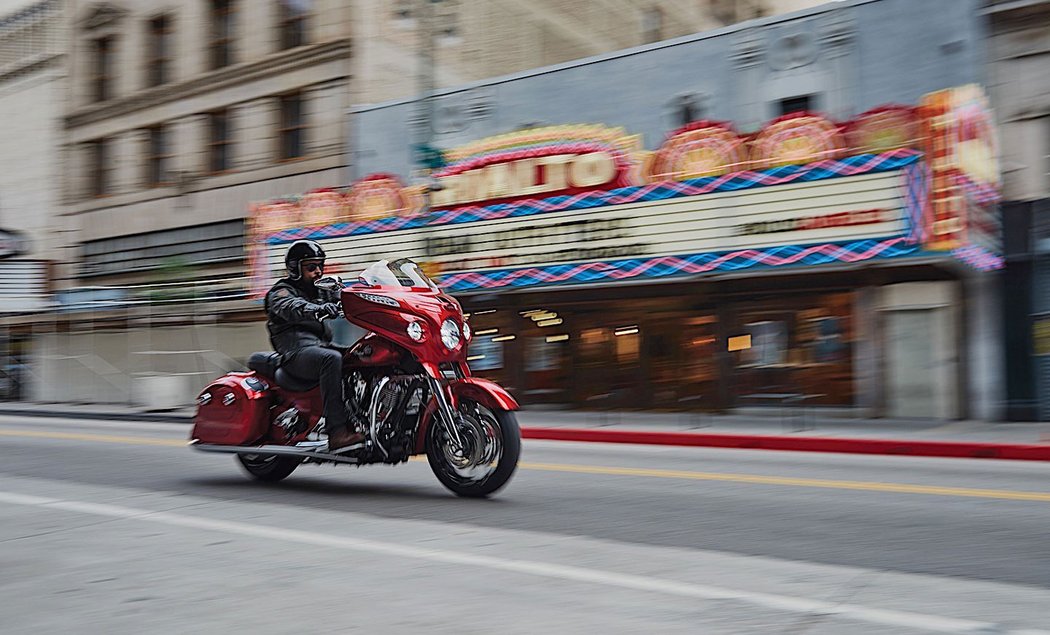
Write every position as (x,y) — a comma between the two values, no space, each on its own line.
(295,308)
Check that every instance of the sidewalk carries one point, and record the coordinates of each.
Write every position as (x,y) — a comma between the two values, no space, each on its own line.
(814,433)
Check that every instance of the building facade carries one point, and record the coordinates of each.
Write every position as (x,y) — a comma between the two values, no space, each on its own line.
(821,230)
(468,41)
(1019,53)
(32,81)
(175,116)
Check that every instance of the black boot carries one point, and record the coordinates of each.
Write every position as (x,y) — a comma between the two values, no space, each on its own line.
(341,439)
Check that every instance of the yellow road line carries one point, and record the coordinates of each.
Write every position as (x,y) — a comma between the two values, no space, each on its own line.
(77,436)
(726,477)
(870,486)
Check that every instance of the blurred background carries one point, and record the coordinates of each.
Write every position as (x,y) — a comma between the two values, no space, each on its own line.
(643,204)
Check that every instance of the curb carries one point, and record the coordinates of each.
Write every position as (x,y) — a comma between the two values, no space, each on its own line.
(900,447)
(155,417)
(948,449)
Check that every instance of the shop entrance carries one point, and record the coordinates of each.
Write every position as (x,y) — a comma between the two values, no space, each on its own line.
(913,384)
(920,347)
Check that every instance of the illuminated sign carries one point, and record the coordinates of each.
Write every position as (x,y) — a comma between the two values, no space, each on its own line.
(796,138)
(540,161)
(806,223)
(883,129)
(526,177)
(961,151)
(703,148)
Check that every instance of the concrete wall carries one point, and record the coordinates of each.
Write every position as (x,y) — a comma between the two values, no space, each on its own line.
(156,367)
(1019,54)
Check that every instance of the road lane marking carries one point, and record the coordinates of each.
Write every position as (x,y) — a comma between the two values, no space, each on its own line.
(757,479)
(726,477)
(81,436)
(570,573)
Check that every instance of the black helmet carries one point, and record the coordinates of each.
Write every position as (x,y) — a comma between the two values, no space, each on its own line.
(299,251)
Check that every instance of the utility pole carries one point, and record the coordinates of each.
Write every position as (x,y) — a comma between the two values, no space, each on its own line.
(426,78)
(424,152)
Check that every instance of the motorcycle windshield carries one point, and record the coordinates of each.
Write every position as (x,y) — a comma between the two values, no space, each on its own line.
(403,273)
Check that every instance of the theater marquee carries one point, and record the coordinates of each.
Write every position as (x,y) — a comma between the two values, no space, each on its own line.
(843,209)
(587,203)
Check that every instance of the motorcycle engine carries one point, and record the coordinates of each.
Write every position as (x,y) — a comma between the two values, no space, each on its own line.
(385,401)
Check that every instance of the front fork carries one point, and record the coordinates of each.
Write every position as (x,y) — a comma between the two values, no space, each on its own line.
(446,413)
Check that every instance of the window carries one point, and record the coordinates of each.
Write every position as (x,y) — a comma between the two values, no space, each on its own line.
(200,244)
(98,168)
(219,141)
(292,23)
(158,158)
(652,25)
(687,109)
(102,86)
(403,10)
(292,126)
(158,66)
(796,104)
(221,33)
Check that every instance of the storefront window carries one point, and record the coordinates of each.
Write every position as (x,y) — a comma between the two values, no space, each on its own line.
(698,380)
(800,347)
(493,335)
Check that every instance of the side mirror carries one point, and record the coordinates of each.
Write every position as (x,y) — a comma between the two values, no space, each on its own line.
(333,284)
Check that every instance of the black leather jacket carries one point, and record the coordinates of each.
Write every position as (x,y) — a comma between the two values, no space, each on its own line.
(291,311)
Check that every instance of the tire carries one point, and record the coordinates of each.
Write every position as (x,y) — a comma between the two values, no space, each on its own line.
(489,466)
(268,468)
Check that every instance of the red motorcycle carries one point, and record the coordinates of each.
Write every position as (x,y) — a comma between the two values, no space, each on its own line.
(406,381)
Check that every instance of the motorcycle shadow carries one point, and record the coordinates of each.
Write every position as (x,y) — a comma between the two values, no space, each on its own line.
(313,489)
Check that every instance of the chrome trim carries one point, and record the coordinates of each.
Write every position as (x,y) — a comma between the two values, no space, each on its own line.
(447,414)
(280,450)
(373,425)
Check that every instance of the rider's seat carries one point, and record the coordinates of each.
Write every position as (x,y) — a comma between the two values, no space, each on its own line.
(265,363)
(268,364)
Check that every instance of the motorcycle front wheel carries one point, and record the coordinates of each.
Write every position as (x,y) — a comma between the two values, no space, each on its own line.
(488,453)
(268,468)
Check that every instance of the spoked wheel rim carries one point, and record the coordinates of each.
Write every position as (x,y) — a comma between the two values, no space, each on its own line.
(479,456)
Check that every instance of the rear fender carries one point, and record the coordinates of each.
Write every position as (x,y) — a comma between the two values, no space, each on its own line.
(485,392)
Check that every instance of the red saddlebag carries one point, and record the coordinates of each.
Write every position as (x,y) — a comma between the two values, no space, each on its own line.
(233,410)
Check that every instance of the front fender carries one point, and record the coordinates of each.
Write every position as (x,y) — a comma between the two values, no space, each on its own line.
(485,392)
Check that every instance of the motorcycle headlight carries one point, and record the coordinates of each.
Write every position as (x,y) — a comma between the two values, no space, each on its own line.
(415,331)
(450,334)
(466,331)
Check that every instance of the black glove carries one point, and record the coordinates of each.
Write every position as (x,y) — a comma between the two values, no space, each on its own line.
(329,310)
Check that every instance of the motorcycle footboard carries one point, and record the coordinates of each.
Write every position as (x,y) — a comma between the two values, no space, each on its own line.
(306,452)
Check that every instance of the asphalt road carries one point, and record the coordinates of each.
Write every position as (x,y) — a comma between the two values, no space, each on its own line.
(115,527)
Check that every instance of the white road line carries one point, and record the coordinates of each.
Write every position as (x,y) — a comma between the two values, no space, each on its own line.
(885,617)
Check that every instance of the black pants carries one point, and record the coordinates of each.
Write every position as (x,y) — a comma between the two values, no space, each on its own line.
(325,365)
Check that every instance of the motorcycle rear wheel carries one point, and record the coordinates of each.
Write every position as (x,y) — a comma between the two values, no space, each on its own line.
(268,468)
(492,446)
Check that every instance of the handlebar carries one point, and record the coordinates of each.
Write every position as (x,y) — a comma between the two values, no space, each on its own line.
(321,317)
